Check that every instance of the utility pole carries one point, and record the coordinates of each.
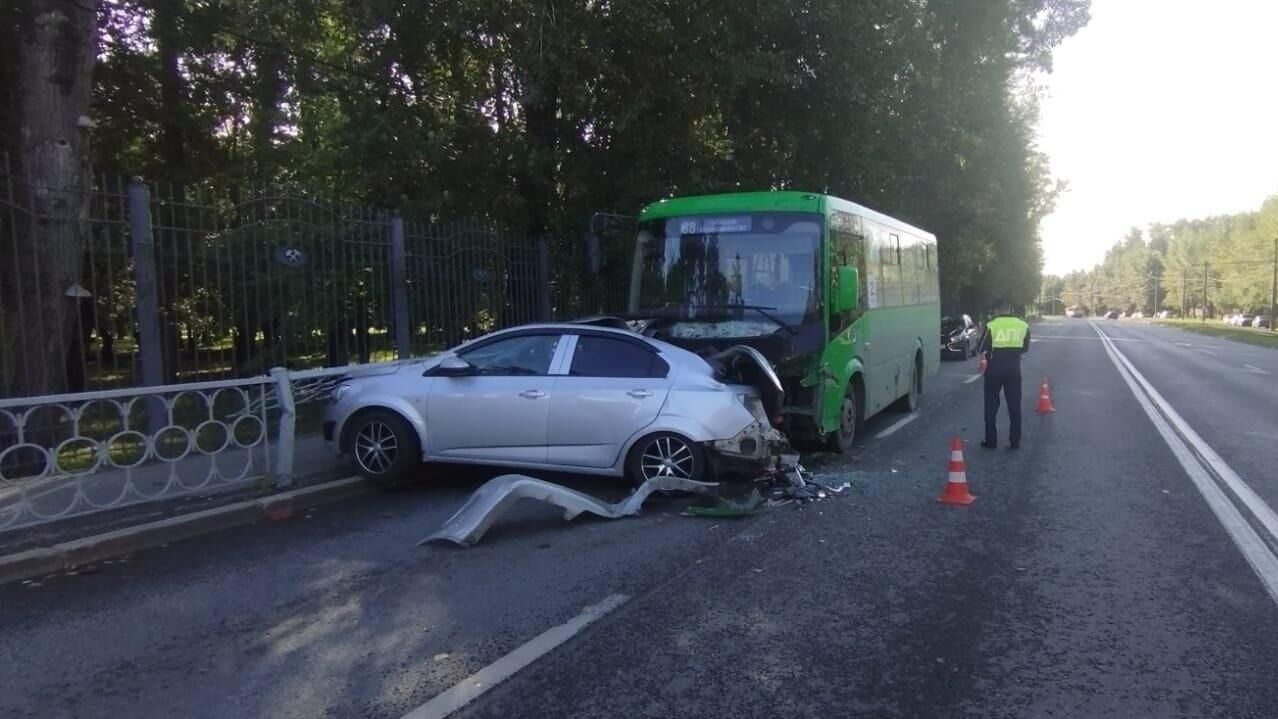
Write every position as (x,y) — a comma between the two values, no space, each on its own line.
(1184,287)
(1273,292)
(1157,306)
(1204,291)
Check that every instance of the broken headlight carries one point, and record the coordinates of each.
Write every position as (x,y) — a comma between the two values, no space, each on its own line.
(338,392)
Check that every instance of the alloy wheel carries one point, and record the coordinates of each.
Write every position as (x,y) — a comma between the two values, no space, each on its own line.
(667,457)
(375,447)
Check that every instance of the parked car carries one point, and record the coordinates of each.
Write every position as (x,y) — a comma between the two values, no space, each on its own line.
(1245,319)
(1230,319)
(960,337)
(1075,313)
(1111,315)
(1138,315)
(1167,314)
(563,397)
(1263,321)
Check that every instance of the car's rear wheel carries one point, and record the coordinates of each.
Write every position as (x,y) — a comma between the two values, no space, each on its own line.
(384,447)
(665,454)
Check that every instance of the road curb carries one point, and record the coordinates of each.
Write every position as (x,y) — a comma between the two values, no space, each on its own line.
(65,555)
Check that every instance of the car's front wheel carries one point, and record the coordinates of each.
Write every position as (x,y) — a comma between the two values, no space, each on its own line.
(665,454)
(383,446)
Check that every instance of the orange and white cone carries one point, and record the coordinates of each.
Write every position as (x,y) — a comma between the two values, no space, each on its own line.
(1044,399)
(956,488)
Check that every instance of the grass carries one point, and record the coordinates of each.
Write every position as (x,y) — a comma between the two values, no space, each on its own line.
(1260,338)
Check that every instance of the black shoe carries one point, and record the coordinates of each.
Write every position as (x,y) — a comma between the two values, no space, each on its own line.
(1014,445)
(989,445)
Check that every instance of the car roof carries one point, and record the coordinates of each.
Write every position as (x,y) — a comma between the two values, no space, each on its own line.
(670,351)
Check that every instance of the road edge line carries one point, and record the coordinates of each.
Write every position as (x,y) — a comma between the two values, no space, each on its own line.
(472,687)
(1250,544)
(72,553)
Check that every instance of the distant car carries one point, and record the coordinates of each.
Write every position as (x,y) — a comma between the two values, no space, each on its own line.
(1111,315)
(1245,319)
(561,397)
(960,337)
(1075,313)
(1230,319)
(1262,321)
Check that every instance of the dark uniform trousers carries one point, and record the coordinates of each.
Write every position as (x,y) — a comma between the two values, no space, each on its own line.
(1003,376)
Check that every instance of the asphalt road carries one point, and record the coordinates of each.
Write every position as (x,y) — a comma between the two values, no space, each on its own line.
(1089,579)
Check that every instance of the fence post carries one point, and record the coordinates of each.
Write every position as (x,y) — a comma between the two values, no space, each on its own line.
(543,280)
(150,352)
(288,427)
(399,288)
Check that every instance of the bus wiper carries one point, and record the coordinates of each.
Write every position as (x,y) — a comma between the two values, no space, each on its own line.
(763,310)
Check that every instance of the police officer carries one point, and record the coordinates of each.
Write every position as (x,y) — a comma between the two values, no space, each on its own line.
(1006,338)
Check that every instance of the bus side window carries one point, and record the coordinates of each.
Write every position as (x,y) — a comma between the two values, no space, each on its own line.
(847,247)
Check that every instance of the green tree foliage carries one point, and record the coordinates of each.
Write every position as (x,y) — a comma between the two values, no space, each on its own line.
(1232,253)
(535,113)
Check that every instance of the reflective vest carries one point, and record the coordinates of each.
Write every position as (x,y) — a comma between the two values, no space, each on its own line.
(1007,332)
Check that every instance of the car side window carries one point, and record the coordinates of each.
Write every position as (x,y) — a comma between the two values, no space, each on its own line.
(607,357)
(526,355)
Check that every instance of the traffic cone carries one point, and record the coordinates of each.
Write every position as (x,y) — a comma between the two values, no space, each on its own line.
(1044,399)
(956,488)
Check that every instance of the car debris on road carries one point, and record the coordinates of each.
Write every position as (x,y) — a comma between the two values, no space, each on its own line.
(497,495)
(788,482)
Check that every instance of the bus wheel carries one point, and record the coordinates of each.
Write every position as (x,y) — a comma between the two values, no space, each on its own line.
(841,439)
(910,402)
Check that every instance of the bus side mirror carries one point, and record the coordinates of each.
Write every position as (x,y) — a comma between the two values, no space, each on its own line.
(849,293)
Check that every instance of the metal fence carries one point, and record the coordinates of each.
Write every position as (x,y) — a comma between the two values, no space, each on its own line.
(65,456)
(172,285)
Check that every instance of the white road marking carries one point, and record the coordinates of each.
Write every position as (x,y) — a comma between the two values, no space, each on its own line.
(1206,351)
(465,691)
(1196,463)
(1256,370)
(897,425)
(1075,337)
(973,378)
(1184,344)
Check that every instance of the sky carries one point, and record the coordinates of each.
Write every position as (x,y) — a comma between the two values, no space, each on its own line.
(1158,110)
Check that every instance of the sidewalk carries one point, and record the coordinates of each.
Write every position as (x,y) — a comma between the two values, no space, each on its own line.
(313,464)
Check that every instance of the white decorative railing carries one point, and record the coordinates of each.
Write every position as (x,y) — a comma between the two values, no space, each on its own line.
(73,454)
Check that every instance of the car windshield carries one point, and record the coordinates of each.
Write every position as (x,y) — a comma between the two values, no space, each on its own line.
(750,266)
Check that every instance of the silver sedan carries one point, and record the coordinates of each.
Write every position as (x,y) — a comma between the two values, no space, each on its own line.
(562,397)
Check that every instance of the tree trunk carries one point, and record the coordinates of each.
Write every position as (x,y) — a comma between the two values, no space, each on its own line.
(537,178)
(55,69)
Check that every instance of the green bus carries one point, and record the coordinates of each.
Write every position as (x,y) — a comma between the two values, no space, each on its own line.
(843,301)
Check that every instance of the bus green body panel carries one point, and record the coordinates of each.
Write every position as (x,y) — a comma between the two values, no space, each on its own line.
(897,322)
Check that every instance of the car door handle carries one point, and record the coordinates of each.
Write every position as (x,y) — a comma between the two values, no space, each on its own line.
(639,393)
(532,394)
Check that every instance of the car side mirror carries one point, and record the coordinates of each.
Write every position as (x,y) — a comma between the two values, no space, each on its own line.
(454,366)
(849,292)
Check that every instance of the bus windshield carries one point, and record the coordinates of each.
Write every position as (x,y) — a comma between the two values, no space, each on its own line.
(761,267)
